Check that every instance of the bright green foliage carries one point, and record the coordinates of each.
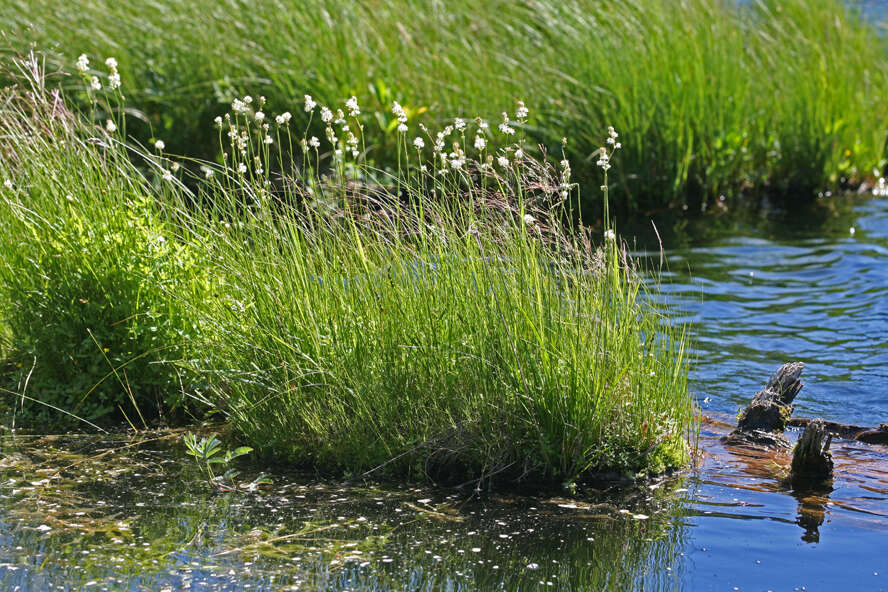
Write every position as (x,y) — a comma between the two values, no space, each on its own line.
(92,278)
(449,321)
(712,96)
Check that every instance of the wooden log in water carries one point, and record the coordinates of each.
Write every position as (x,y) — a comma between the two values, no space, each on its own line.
(870,435)
(812,463)
(766,416)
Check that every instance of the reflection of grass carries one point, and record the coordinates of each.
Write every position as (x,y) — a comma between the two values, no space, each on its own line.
(712,95)
(324,536)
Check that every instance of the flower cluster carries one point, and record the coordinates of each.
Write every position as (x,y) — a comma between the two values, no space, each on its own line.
(398,112)
(113,76)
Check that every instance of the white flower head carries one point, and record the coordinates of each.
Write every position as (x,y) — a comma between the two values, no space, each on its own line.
(480,143)
(242,168)
(94,83)
(326,115)
(238,106)
(610,235)
(309,104)
(114,80)
(529,220)
(259,116)
(504,127)
(314,142)
(82,63)
(459,124)
(111,63)
(402,128)
(110,126)
(159,144)
(352,106)
(398,111)
(8,184)
(268,140)
(522,111)
(418,143)
(167,175)
(248,99)
(207,171)
(519,153)
(503,161)
(283,118)
(218,121)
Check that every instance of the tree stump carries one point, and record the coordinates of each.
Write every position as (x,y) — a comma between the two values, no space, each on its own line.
(764,419)
(812,463)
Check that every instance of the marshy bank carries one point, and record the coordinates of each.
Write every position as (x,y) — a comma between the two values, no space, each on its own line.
(448,320)
(714,97)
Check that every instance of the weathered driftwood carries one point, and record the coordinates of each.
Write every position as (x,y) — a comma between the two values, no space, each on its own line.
(870,435)
(765,418)
(812,463)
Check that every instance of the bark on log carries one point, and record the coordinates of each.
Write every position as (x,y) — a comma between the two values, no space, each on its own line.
(870,435)
(812,462)
(765,418)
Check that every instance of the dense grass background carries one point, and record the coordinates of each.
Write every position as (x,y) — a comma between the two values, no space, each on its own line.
(712,96)
(445,319)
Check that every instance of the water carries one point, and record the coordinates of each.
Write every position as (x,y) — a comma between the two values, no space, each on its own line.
(110,513)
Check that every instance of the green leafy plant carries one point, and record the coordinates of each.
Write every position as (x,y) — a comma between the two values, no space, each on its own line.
(208,451)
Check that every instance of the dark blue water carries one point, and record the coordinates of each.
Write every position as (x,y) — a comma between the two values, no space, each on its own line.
(818,295)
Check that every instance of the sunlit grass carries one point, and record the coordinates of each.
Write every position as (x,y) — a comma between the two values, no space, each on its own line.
(447,319)
(713,96)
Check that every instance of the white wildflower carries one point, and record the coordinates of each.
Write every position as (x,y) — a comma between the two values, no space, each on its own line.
(603,159)
(218,121)
(480,143)
(402,128)
(242,168)
(314,142)
(269,140)
(159,144)
(309,104)
(111,63)
(94,83)
(340,117)
(259,116)
(207,171)
(459,124)
(565,164)
(174,166)
(83,63)
(418,143)
(326,115)
(167,175)
(304,144)
(337,153)
(503,161)
(519,153)
(610,235)
(398,111)
(110,126)
(504,127)
(248,99)
(330,135)
(483,125)
(529,220)
(8,184)
(352,106)
(114,80)
(522,112)
(238,106)
(423,168)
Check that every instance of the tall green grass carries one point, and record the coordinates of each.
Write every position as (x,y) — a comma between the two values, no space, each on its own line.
(446,319)
(713,96)
(87,268)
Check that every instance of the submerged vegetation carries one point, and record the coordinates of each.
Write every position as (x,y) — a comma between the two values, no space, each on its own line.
(714,97)
(448,319)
